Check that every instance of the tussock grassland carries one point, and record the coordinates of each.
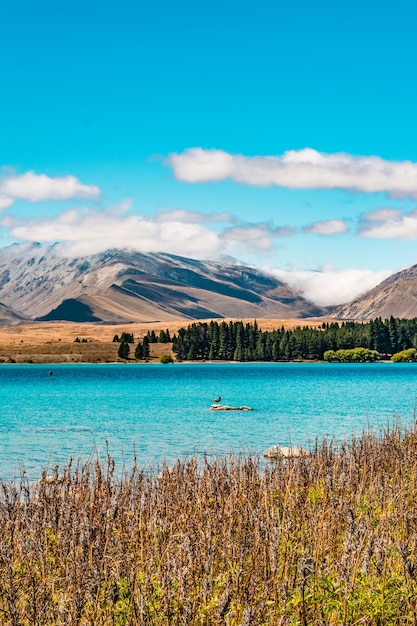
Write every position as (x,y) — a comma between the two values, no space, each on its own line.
(41,332)
(54,342)
(327,539)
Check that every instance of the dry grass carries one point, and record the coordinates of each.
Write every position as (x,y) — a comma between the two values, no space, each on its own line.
(325,540)
(49,342)
(55,343)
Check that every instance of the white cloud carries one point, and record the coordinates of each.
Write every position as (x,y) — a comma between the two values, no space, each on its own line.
(88,231)
(329,286)
(327,227)
(178,231)
(39,187)
(383,214)
(254,237)
(305,168)
(389,224)
(5,201)
(192,217)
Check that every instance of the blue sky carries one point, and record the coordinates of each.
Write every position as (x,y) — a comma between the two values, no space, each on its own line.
(283,134)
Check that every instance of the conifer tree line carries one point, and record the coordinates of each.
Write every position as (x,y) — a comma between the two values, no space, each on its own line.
(163,337)
(142,349)
(236,341)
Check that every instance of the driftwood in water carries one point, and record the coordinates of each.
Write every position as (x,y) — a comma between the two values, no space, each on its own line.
(224,407)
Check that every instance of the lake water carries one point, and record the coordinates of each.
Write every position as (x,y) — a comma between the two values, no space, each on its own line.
(162,411)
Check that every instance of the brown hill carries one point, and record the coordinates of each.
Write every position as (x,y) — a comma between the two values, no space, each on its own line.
(9,317)
(124,286)
(396,296)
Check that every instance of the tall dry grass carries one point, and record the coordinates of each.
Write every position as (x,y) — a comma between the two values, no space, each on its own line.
(326,539)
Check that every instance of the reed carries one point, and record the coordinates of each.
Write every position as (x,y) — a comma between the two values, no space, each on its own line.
(326,539)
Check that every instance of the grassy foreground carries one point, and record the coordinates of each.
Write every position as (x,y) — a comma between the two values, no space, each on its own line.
(327,539)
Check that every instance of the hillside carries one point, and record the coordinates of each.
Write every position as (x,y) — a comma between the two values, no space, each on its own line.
(124,286)
(396,296)
(9,317)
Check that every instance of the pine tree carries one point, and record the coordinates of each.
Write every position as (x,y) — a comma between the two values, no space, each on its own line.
(124,350)
(238,356)
(393,334)
(191,353)
(213,339)
(223,340)
(145,347)
(127,338)
(139,352)
(178,347)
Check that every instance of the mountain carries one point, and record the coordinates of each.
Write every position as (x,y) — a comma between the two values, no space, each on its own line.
(396,296)
(120,286)
(9,317)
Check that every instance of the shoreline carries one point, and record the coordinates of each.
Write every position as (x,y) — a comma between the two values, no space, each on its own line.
(55,342)
(155,361)
(78,342)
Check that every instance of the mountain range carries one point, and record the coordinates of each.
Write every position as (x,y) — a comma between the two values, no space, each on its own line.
(38,282)
(117,286)
(396,296)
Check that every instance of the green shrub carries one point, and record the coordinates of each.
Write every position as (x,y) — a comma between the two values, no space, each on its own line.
(353,355)
(405,356)
(166,358)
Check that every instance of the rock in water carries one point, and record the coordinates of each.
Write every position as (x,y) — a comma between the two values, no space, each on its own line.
(286,452)
(224,407)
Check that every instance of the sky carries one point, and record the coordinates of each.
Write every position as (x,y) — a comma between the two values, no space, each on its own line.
(282,135)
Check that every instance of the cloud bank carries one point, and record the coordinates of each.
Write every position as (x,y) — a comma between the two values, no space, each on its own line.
(218,234)
(40,187)
(330,286)
(177,231)
(297,169)
(87,231)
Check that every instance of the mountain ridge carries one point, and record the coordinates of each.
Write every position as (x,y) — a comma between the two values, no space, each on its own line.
(395,296)
(38,282)
(118,286)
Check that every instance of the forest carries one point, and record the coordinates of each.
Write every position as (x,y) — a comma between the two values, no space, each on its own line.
(236,341)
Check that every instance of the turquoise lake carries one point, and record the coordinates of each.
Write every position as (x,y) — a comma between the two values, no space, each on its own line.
(162,411)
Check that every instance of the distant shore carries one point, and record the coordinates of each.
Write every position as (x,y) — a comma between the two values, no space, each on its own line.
(55,342)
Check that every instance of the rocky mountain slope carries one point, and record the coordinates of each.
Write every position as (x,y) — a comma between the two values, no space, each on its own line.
(8,317)
(125,286)
(396,296)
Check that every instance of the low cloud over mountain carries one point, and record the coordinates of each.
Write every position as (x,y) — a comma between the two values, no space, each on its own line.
(122,286)
(396,296)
